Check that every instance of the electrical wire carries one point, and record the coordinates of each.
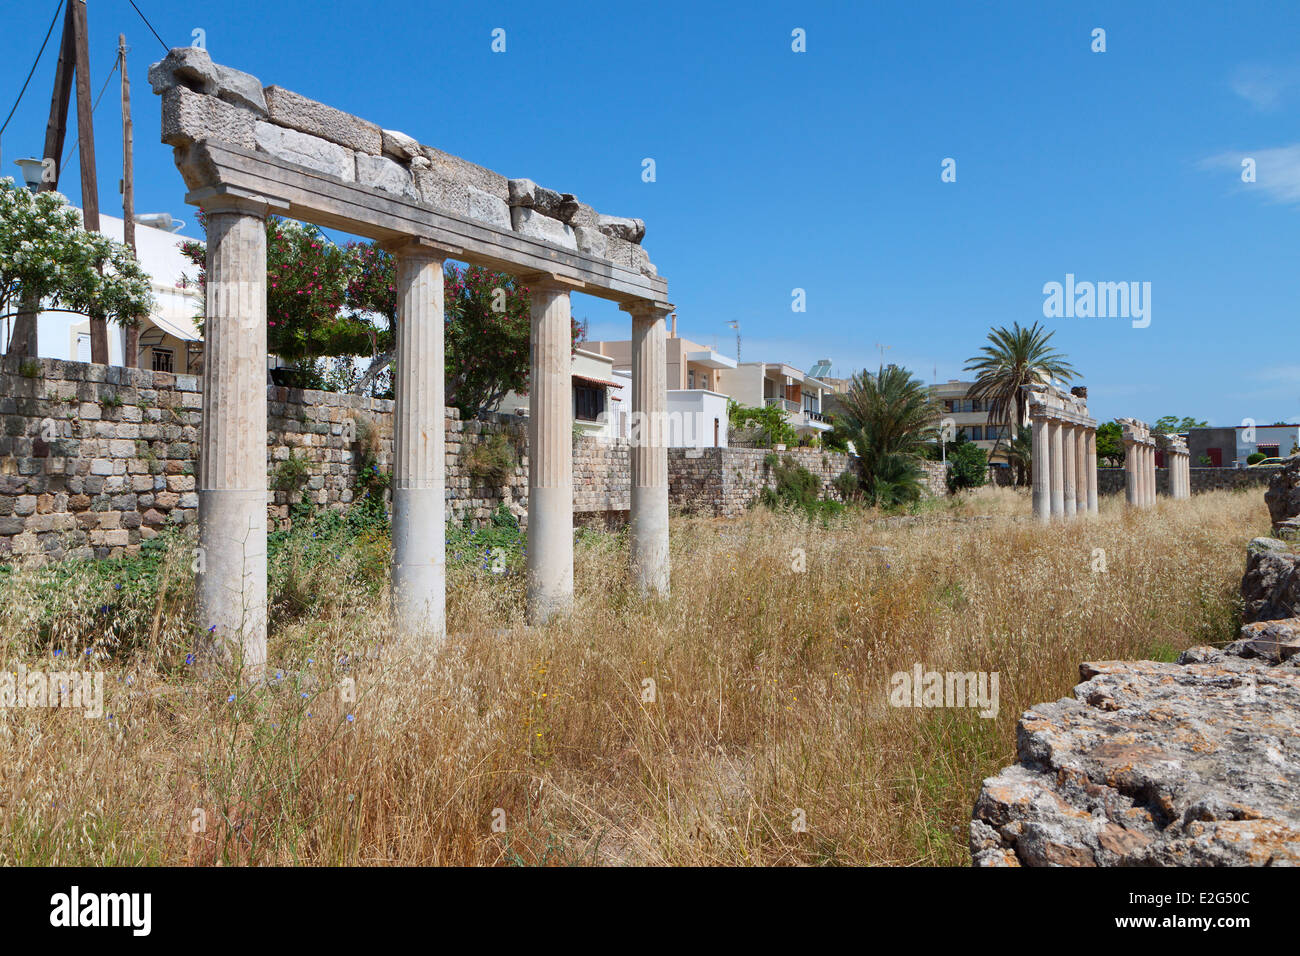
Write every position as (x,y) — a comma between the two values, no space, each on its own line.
(150,26)
(32,71)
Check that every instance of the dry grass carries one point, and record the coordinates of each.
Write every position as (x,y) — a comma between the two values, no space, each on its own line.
(771,696)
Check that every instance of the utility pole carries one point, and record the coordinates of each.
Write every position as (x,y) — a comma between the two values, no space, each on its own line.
(132,349)
(86,142)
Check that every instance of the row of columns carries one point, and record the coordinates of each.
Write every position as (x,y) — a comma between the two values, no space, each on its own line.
(231,563)
(1139,463)
(1179,464)
(1064,454)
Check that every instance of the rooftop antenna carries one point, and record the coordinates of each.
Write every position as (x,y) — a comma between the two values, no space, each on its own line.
(736,325)
(883,349)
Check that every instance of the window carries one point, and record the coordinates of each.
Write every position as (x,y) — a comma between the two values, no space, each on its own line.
(162,360)
(588,401)
(994,432)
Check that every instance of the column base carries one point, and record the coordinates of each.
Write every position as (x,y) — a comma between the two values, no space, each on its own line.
(419,579)
(550,553)
(231,581)
(649,540)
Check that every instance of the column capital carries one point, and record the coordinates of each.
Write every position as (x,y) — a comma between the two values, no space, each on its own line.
(550,282)
(215,200)
(418,247)
(647,309)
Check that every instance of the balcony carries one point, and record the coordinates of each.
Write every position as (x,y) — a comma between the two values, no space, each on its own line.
(791,408)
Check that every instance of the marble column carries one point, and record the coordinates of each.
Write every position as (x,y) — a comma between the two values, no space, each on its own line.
(1149,473)
(1057,456)
(1081,470)
(1132,469)
(550,449)
(648,519)
(1091,463)
(1042,470)
(231,559)
(1069,470)
(419,446)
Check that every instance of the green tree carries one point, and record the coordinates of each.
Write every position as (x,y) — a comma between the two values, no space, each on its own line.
(1110,443)
(1173,425)
(890,417)
(968,465)
(1014,358)
(48,261)
(769,421)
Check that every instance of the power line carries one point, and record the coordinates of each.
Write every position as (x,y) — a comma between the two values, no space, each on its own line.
(32,71)
(150,26)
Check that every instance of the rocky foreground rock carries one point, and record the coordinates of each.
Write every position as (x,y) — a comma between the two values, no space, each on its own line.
(1195,763)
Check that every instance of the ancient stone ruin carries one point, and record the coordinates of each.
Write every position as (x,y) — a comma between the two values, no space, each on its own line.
(1194,763)
(246,151)
(1065,452)
(1178,463)
(1139,463)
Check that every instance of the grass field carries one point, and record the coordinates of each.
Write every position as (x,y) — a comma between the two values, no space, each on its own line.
(512,745)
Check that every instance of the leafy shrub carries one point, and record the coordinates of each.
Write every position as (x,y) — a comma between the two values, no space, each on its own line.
(797,487)
(493,461)
(967,466)
(768,422)
(290,474)
(1254,457)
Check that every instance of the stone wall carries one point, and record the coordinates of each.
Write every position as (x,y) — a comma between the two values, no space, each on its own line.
(724,482)
(95,459)
(1110,481)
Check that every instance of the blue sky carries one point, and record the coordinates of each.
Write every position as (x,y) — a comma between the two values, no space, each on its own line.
(821,170)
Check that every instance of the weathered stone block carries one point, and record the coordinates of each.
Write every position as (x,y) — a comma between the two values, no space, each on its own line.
(191,68)
(529,222)
(191,117)
(448,167)
(400,146)
(380,172)
(290,109)
(632,230)
(306,150)
(487,208)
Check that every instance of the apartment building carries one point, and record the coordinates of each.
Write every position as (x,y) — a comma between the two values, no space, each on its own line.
(970,416)
(776,383)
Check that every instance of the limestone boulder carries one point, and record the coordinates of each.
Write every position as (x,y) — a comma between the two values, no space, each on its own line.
(287,108)
(1270,588)
(1194,763)
(193,69)
(1283,495)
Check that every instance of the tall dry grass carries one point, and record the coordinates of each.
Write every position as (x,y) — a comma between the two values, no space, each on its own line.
(513,745)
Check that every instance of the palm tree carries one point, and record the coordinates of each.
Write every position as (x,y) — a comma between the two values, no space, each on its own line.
(1020,456)
(890,418)
(1014,358)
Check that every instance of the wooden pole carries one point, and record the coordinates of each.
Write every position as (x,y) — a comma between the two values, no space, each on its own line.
(132,358)
(86,141)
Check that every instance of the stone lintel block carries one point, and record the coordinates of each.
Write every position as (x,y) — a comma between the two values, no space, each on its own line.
(191,68)
(487,208)
(307,116)
(529,222)
(380,172)
(189,117)
(453,168)
(306,150)
(633,230)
